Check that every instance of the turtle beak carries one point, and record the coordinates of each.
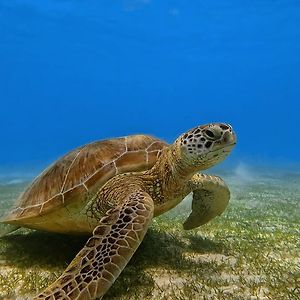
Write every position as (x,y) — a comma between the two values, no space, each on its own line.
(229,138)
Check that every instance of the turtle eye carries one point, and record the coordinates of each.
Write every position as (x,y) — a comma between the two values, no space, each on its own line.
(209,133)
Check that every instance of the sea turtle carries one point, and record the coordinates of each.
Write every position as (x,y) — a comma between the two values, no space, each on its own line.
(112,189)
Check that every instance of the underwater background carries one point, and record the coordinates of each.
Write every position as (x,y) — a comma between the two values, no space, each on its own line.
(72,72)
(77,71)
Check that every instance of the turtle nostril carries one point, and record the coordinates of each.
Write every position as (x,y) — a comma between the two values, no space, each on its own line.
(209,133)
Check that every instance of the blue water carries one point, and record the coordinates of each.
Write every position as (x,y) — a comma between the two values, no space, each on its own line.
(76,71)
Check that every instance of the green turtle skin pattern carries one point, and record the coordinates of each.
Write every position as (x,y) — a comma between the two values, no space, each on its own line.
(105,254)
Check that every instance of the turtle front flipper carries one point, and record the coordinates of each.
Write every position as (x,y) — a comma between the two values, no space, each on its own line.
(210,198)
(106,253)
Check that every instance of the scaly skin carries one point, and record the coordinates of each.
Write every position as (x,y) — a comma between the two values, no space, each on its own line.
(105,255)
(210,198)
(129,201)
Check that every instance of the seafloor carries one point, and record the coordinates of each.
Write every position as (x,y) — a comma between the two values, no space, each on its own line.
(251,252)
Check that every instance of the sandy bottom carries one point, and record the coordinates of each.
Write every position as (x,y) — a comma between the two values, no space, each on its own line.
(250,252)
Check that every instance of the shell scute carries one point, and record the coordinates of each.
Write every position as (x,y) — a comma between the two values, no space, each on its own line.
(101,176)
(55,201)
(157,145)
(133,160)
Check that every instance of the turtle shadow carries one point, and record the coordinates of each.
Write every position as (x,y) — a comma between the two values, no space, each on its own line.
(159,251)
(40,249)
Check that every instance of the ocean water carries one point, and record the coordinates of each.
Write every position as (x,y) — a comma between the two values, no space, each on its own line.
(72,72)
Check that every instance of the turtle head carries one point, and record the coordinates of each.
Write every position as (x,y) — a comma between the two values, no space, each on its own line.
(206,145)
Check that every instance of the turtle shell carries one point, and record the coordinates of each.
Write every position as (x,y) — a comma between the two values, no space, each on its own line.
(80,173)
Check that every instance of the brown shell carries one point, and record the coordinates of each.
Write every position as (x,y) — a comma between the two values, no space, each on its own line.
(83,171)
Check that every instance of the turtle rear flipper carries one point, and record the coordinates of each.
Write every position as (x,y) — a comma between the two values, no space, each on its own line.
(106,253)
(6,229)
